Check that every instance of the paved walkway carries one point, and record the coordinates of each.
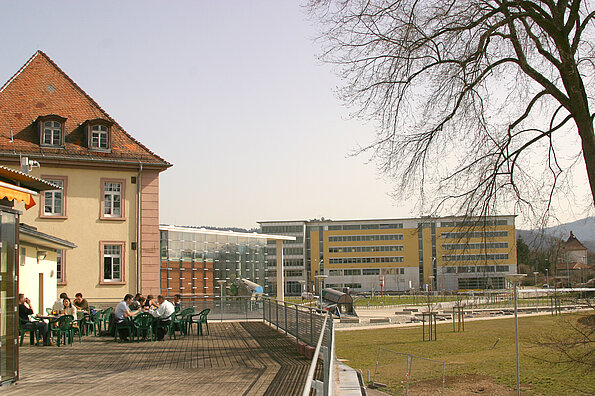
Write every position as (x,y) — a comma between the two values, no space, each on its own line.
(235,359)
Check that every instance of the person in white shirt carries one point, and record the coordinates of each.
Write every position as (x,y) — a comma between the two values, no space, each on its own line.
(123,313)
(162,316)
(58,305)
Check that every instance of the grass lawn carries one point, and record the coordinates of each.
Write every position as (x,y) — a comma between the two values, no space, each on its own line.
(469,353)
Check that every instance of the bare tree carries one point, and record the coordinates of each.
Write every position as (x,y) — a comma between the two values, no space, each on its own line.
(479,102)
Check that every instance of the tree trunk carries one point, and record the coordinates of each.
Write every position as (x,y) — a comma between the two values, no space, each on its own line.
(587,134)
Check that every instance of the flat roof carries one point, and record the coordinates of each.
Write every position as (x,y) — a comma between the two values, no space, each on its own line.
(226,233)
(388,220)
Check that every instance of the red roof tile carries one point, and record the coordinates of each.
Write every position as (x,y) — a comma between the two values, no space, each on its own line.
(40,88)
(573,244)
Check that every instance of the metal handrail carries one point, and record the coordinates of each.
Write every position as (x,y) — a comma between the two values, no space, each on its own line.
(310,378)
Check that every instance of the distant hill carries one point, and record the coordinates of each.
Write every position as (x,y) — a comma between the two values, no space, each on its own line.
(583,229)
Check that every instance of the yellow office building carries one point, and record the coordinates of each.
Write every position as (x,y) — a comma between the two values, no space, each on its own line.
(440,253)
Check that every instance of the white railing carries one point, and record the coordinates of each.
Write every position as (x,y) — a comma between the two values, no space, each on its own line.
(313,328)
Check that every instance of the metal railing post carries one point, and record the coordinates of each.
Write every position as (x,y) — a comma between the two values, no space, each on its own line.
(285,309)
(297,324)
(326,367)
(311,329)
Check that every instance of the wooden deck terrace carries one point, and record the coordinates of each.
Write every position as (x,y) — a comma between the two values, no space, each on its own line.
(248,358)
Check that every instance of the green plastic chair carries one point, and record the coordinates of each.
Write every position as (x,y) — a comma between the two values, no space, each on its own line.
(33,333)
(92,322)
(182,320)
(104,321)
(143,323)
(126,324)
(202,318)
(64,329)
(169,326)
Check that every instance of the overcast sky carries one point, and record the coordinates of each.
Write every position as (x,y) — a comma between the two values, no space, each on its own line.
(230,92)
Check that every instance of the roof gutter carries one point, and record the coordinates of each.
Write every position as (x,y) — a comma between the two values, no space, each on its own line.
(88,159)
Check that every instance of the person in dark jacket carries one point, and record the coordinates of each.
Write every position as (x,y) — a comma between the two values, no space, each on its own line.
(24,311)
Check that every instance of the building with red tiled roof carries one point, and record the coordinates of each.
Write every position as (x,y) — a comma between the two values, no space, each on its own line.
(574,259)
(109,201)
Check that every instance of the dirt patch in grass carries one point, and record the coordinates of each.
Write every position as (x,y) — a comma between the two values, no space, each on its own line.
(588,320)
(466,384)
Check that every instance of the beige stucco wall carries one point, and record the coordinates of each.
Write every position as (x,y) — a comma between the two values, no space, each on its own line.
(29,277)
(84,227)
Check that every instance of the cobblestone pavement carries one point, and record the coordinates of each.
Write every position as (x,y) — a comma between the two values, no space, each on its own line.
(235,359)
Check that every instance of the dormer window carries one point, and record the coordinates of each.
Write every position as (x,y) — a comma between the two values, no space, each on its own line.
(98,133)
(52,133)
(51,130)
(99,137)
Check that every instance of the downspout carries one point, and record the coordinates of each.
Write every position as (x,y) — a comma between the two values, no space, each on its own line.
(138,228)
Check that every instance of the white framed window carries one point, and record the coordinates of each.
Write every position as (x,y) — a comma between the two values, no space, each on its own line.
(53,201)
(60,266)
(112,199)
(52,133)
(99,137)
(112,262)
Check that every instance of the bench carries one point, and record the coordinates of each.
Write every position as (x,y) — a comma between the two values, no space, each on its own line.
(379,320)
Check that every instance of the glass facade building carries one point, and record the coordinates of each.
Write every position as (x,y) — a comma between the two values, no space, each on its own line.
(193,260)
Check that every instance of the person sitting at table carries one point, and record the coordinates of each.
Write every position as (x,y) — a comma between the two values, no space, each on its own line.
(69,309)
(149,302)
(178,301)
(123,313)
(141,303)
(58,306)
(135,304)
(81,303)
(162,314)
(24,311)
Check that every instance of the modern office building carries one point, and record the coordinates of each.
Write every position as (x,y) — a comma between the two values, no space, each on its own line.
(198,262)
(441,253)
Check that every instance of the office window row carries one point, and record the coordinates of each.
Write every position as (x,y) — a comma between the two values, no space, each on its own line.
(472,223)
(112,199)
(366,271)
(371,237)
(464,269)
(474,234)
(480,245)
(475,257)
(363,260)
(351,227)
(360,249)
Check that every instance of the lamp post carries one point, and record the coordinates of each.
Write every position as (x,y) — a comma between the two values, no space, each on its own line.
(547,279)
(515,279)
(321,278)
(535,273)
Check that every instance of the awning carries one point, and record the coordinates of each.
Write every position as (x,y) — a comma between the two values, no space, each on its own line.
(18,194)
